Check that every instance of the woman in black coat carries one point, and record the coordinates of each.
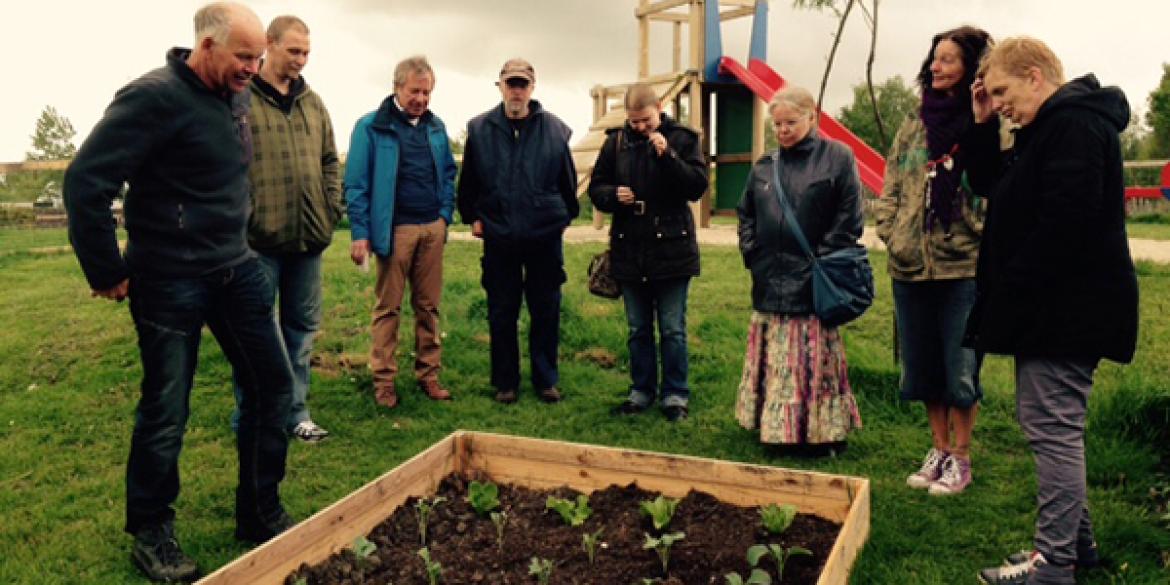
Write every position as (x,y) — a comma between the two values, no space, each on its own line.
(646,174)
(794,388)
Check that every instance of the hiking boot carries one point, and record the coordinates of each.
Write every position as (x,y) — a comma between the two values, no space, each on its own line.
(158,555)
(955,478)
(1013,574)
(386,396)
(627,407)
(309,432)
(930,471)
(506,396)
(550,394)
(260,531)
(675,413)
(434,390)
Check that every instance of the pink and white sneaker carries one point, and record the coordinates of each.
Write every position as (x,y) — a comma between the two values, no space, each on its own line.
(930,471)
(956,476)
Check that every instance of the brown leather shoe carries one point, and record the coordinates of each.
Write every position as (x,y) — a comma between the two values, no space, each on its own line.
(386,396)
(549,394)
(434,390)
(506,396)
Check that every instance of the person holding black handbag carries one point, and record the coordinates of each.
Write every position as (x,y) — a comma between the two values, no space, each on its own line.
(795,390)
(646,173)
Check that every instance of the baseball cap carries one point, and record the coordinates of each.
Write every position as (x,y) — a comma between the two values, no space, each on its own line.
(517,68)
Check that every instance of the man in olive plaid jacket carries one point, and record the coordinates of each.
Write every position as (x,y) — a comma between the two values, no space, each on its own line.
(296,200)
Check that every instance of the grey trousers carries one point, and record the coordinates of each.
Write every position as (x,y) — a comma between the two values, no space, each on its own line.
(1051,401)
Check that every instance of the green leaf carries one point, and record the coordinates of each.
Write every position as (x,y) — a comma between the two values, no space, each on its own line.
(759,577)
(660,511)
(799,550)
(734,579)
(777,519)
(755,553)
(363,548)
(484,497)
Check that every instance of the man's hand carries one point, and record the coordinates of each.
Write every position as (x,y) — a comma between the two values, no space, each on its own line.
(625,195)
(477,228)
(118,292)
(658,141)
(359,251)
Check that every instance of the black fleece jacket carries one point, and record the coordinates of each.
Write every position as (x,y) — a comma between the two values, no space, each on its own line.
(184,150)
(1055,276)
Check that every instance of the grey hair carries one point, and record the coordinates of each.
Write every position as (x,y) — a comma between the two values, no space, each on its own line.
(797,98)
(213,20)
(416,64)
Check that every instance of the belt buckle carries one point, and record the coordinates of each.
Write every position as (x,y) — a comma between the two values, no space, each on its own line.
(639,207)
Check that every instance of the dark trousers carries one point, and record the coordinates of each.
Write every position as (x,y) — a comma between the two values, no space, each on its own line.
(534,270)
(169,314)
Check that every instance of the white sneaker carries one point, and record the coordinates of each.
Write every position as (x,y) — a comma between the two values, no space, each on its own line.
(932,467)
(308,432)
(1016,574)
(956,476)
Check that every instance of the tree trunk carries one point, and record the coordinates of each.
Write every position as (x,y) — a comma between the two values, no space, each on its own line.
(877,114)
(833,52)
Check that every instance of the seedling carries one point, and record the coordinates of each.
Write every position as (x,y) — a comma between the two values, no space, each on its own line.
(777,519)
(301,581)
(590,541)
(662,545)
(363,548)
(500,519)
(777,552)
(758,577)
(484,497)
(542,568)
(660,510)
(573,514)
(424,509)
(434,568)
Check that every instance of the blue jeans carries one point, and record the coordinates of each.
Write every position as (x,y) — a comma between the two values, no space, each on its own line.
(666,299)
(295,279)
(535,270)
(236,304)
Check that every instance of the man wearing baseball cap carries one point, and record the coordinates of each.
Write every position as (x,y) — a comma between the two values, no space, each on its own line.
(518,191)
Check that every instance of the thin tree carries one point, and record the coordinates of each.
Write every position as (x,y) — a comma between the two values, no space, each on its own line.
(53,137)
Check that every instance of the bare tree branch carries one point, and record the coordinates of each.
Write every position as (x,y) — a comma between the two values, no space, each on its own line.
(877,115)
(833,52)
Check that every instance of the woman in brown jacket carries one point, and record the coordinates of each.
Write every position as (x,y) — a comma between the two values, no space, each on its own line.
(931,224)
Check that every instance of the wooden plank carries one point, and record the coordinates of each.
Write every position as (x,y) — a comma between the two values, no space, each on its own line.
(600,466)
(737,13)
(670,17)
(335,527)
(645,8)
(35,165)
(854,533)
(1145,164)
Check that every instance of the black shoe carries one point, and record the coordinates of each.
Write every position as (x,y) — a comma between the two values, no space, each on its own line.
(626,408)
(675,413)
(261,531)
(158,555)
(550,394)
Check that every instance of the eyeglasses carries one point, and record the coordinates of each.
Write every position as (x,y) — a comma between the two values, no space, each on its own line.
(516,83)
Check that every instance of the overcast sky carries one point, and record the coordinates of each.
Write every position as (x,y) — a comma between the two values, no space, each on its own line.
(74,54)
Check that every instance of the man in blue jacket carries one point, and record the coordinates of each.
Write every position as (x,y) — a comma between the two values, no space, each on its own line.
(518,191)
(179,136)
(400,186)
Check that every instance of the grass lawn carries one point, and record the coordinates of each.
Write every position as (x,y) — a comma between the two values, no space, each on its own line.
(69,375)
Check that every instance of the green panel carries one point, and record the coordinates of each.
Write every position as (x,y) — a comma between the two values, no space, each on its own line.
(729,182)
(733,113)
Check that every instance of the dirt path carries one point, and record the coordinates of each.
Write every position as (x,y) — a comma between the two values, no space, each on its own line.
(724,235)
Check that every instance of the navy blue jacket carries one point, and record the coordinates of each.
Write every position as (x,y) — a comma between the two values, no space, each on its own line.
(184,150)
(521,185)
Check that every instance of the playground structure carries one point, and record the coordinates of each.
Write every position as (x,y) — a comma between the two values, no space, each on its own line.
(740,94)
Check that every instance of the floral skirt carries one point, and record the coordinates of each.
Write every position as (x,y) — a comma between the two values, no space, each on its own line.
(794,387)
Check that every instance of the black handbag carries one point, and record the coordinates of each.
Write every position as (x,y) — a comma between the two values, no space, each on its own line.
(842,280)
(601,281)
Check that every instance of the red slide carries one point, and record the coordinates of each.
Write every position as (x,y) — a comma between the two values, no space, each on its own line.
(764,81)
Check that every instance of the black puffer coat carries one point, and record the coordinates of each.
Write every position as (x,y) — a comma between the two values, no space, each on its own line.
(659,242)
(820,178)
(1055,276)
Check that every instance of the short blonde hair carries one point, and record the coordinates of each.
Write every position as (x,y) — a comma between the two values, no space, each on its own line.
(640,96)
(1017,55)
(797,98)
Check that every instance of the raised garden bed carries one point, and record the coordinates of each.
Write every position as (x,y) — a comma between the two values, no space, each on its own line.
(532,464)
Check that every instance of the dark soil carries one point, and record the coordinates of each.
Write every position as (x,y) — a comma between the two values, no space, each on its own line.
(717,538)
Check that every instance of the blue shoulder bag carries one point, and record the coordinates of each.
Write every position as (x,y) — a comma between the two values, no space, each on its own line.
(842,280)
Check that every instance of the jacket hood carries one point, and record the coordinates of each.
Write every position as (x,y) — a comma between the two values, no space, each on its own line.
(1086,93)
